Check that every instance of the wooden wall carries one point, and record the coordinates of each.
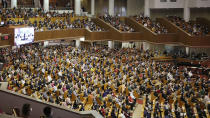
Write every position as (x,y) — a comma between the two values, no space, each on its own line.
(11,99)
(176,36)
(6,30)
(162,13)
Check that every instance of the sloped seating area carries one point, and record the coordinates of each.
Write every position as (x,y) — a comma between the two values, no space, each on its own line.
(78,82)
(42,21)
(147,22)
(116,22)
(184,97)
(193,28)
(108,81)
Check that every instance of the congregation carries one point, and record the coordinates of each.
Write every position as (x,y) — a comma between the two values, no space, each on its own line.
(192,28)
(155,27)
(109,81)
(95,71)
(42,21)
(117,23)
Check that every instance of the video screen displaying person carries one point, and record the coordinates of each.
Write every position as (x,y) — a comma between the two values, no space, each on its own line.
(24,36)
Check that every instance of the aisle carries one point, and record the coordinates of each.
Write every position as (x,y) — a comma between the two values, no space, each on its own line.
(138,111)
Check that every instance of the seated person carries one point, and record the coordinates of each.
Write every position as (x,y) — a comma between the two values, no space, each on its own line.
(48,112)
(155,27)
(26,110)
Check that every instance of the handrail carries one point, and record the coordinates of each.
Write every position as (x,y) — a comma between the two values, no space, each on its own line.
(93,113)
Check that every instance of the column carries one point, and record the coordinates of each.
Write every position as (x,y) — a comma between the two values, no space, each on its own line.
(146,8)
(111,44)
(169,48)
(46,5)
(111,7)
(37,3)
(13,3)
(77,43)
(46,43)
(187,49)
(125,45)
(146,46)
(186,11)
(137,45)
(93,7)
(77,7)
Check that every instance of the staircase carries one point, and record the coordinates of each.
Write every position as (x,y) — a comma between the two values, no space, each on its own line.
(138,111)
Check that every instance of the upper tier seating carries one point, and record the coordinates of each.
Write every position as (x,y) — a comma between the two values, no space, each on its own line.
(193,29)
(152,25)
(46,21)
(117,23)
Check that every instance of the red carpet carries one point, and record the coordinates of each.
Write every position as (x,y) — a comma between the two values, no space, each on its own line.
(140,101)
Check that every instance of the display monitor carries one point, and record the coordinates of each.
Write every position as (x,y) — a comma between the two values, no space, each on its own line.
(24,35)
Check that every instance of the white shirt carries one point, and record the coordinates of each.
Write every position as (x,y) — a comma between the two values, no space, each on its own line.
(49,78)
(190,74)
(60,73)
(43,70)
(55,88)
(206,99)
(122,115)
(145,24)
(23,81)
(132,96)
(68,100)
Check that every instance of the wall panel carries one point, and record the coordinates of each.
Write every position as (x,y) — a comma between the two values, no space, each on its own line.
(135,7)
(157,13)
(102,7)
(11,99)
(200,12)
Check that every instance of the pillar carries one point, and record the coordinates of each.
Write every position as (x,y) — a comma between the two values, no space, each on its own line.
(125,45)
(46,5)
(77,43)
(111,7)
(93,7)
(146,8)
(187,49)
(111,44)
(46,43)
(13,3)
(77,7)
(146,46)
(138,45)
(37,3)
(169,48)
(186,11)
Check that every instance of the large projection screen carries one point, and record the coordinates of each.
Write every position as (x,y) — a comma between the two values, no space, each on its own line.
(24,35)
